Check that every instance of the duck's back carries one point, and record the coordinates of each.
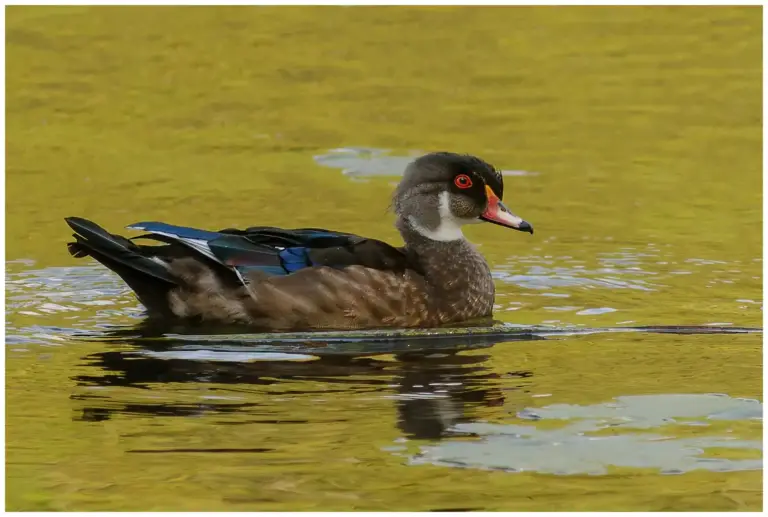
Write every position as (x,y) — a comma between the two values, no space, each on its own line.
(302,279)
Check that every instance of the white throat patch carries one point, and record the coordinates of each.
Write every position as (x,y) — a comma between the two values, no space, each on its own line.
(449,228)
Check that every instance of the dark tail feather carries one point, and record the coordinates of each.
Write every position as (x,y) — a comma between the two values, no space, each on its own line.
(148,279)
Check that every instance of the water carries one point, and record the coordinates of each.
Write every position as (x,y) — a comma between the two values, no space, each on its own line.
(629,137)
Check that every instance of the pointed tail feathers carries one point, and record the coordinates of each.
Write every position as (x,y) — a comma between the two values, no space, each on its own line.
(113,250)
(150,280)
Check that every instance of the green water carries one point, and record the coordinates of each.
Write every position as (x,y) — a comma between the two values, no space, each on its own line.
(636,134)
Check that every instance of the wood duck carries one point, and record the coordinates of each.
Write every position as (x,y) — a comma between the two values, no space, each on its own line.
(273,279)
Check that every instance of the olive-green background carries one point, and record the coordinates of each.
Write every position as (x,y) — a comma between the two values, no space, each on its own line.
(643,124)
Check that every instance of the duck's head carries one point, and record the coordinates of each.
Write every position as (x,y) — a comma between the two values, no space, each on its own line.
(441,192)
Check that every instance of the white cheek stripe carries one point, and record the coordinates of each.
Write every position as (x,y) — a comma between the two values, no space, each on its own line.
(449,228)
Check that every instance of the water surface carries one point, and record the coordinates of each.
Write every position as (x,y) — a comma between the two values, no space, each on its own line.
(630,138)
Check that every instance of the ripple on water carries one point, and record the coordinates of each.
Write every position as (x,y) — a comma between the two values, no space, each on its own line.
(93,296)
(577,449)
(674,281)
(613,270)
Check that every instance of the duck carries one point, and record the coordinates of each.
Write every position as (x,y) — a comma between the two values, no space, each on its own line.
(280,280)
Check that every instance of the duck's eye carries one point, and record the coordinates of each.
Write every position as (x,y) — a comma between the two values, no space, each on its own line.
(463,181)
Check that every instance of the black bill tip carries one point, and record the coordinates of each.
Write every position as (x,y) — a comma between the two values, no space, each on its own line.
(525,226)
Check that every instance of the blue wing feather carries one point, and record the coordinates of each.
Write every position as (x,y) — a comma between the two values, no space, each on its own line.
(182,232)
(294,259)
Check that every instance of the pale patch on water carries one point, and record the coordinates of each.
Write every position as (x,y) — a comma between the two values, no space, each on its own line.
(361,162)
(228,356)
(598,310)
(573,449)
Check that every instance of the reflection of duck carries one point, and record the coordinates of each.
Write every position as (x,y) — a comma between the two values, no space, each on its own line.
(432,394)
(436,394)
(276,279)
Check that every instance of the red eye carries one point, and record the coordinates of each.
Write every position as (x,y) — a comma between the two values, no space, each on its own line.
(463,181)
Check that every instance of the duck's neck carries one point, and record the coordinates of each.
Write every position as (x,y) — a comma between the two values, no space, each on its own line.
(445,262)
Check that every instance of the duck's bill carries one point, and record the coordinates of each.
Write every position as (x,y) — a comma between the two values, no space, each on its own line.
(497,213)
